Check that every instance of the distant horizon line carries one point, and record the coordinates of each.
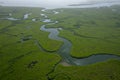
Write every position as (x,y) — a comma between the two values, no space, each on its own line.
(79,5)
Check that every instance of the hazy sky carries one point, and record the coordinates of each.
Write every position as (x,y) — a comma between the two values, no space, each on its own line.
(45,3)
(41,3)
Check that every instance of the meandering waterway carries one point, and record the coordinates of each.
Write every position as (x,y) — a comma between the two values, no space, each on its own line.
(65,49)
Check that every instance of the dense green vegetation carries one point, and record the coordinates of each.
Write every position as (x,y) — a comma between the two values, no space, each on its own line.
(21,47)
(26,52)
(91,31)
(99,71)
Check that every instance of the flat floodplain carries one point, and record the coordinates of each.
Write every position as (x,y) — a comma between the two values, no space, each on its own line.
(27,53)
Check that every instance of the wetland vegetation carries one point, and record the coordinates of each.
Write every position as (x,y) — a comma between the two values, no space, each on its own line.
(28,52)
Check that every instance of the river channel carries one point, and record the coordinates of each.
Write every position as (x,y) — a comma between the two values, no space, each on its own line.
(65,49)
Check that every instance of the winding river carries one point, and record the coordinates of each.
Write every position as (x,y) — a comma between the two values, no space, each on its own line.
(65,49)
